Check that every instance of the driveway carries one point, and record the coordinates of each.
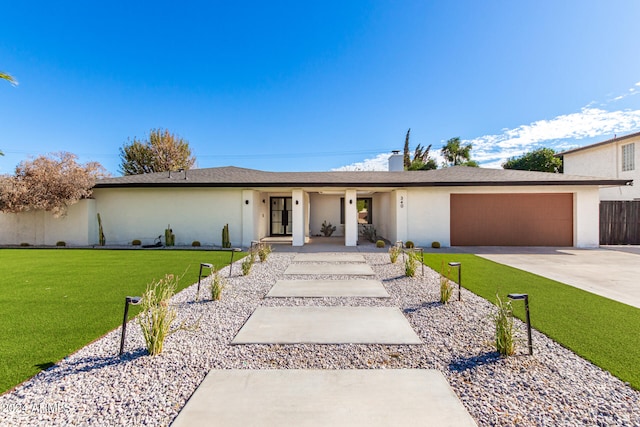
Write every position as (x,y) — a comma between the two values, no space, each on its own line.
(612,271)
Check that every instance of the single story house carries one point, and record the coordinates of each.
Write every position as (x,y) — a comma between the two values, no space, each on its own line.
(455,206)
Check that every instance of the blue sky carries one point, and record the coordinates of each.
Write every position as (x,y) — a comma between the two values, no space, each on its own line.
(313,86)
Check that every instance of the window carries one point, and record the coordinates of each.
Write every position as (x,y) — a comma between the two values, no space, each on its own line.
(628,154)
(365,210)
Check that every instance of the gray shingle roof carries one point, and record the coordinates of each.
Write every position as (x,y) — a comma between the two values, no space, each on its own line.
(231,176)
(597,144)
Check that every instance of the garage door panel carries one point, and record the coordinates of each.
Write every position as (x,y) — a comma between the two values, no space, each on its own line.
(512,219)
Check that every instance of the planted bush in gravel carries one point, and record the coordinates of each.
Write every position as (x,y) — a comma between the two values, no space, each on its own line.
(158,315)
(394,252)
(263,252)
(503,321)
(217,285)
(445,285)
(410,264)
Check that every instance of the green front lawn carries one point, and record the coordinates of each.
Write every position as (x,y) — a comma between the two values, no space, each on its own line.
(601,330)
(55,301)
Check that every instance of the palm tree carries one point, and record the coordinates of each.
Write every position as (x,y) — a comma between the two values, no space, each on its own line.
(9,78)
(457,154)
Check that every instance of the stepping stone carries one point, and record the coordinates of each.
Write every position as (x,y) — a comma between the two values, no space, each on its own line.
(328,288)
(331,269)
(327,325)
(295,397)
(328,257)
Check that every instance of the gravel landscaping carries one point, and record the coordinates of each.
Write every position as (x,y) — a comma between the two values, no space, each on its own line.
(96,387)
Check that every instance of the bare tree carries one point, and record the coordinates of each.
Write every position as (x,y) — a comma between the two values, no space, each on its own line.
(51,183)
(163,151)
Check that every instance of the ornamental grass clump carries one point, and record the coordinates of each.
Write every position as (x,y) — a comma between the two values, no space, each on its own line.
(248,263)
(217,285)
(394,253)
(264,251)
(411,264)
(503,321)
(158,315)
(446,288)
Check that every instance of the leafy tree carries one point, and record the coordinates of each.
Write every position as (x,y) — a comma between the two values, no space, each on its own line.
(51,183)
(407,155)
(163,151)
(421,159)
(457,154)
(8,77)
(542,160)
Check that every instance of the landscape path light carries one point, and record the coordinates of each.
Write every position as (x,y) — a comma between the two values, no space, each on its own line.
(231,264)
(525,297)
(127,301)
(202,265)
(458,265)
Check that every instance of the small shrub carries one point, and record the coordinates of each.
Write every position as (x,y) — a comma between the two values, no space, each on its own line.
(157,314)
(264,251)
(380,244)
(446,289)
(435,245)
(195,244)
(409,244)
(217,285)
(24,244)
(327,229)
(136,242)
(61,243)
(248,263)
(411,264)
(394,252)
(369,232)
(503,321)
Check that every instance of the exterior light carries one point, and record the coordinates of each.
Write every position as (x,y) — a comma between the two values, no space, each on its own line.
(525,297)
(350,201)
(459,267)
(127,301)
(246,202)
(297,202)
(234,250)
(202,265)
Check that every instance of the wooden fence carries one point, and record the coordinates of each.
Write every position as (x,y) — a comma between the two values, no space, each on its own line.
(620,222)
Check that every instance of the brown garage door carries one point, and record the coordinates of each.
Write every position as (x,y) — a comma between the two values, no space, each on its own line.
(512,219)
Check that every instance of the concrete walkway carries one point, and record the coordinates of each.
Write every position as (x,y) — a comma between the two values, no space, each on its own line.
(612,272)
(328,288)
(325,397)
(368,398)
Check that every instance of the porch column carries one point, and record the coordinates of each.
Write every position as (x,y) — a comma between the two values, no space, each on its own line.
(298,216)
(350,218)
(249,217)
(401,214)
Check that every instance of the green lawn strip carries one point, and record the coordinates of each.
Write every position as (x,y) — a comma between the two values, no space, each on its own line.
(601,330)
(53,302)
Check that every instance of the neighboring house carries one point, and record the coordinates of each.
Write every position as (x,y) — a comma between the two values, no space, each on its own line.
(617,158)
(456,206)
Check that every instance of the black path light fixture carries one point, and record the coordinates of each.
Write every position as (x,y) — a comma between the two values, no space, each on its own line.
(458,265)
(234,250)
(525,297)
(202,265)
(127,301)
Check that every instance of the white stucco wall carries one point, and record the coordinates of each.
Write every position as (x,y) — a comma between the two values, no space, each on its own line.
(429,212)
(76,228)
(606,161)
(325,207)
(193,213)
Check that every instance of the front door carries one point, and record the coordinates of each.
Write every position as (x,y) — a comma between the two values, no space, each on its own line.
(281,219)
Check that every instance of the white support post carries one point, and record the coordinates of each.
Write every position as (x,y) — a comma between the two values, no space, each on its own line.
(350,218)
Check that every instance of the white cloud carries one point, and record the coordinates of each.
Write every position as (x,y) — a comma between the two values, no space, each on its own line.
(560,133)
(378,163)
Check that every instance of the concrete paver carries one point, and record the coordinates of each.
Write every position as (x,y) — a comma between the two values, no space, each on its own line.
(372,398)
(327,325)
(328,288)
(609,273)
(329,268)
(329,257)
